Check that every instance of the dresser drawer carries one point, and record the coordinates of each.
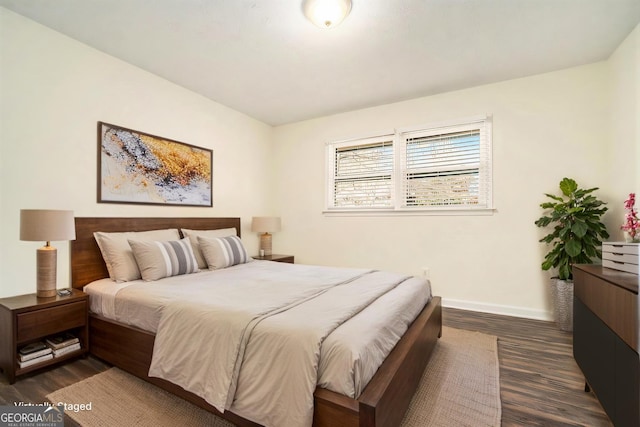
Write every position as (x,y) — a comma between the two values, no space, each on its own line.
(620,257)
(621,248)
(48,321)
(621,266)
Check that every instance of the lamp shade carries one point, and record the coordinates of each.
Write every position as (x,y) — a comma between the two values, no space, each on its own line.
(326,13)
(265,224)
(46,225)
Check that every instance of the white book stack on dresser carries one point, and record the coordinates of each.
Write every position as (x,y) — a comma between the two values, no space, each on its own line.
(621,256)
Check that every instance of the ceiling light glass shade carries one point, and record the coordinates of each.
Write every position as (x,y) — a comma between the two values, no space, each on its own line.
(326,13)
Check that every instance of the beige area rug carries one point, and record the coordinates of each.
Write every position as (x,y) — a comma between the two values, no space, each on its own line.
(460,387)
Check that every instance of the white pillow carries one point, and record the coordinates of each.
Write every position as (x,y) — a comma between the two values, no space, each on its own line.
(158,259)
(117,253)
(193,238)
(222,252)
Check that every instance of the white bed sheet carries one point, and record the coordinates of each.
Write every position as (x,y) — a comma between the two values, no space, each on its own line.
(349,356)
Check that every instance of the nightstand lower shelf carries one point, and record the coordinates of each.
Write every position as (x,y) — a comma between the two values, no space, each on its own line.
(27,319)
(35,367)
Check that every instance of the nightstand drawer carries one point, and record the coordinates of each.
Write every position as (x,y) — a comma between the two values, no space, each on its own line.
(49,321)
(276,258)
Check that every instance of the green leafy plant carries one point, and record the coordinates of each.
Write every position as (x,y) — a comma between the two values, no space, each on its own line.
(577,230)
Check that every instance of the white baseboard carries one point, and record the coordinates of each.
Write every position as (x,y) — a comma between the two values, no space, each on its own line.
(505,310)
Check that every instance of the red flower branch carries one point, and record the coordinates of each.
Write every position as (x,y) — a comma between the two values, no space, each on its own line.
(632,223)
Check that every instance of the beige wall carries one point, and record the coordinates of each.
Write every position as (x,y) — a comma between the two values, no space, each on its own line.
(544,128)
(624,160)
(53,92)
(625,118)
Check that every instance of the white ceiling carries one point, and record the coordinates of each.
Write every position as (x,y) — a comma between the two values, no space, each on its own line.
(263,58)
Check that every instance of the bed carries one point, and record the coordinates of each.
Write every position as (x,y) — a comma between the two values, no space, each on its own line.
(383,401)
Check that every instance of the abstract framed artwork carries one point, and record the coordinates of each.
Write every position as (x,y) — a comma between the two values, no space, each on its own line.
(137,167)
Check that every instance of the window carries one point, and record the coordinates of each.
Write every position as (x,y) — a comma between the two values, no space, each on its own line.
(443,167)
(362,172)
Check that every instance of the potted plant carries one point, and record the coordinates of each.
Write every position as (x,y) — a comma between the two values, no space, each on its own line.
(576,238)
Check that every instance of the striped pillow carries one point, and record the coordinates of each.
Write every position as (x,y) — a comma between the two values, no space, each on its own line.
(222,252)
(158,259)
(193,237)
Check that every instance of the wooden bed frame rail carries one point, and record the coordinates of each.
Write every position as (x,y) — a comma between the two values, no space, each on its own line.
(383,402)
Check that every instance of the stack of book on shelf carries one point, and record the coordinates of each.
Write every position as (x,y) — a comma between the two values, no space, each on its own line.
(34,353)
(63,344)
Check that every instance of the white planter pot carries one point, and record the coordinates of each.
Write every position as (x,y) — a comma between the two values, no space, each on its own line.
(562,299)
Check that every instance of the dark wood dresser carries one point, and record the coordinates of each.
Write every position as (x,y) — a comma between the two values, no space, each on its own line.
(605,339)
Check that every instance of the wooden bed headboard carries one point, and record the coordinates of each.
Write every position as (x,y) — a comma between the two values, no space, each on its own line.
(87,264)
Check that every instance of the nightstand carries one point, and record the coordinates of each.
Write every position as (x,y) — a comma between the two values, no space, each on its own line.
(26,319)
(276,258)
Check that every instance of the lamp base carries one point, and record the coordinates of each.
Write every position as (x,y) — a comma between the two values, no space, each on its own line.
(265,243)
(47,259)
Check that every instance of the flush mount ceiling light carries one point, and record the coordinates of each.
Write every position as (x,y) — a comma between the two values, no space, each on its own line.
(326,13)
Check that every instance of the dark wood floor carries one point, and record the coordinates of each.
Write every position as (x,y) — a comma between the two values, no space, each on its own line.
(541,385)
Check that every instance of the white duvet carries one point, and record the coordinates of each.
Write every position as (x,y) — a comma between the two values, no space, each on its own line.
(231,341)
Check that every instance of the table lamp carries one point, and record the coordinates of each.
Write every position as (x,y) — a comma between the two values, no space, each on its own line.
(46,225)
(265,225)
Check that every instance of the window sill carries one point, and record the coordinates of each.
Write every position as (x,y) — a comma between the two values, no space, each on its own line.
(410,212)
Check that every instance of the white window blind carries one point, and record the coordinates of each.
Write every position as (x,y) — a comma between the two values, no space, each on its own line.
(444,167)
(362,173)
(447,167)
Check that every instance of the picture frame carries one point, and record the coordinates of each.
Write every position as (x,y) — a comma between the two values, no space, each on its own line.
(136,167)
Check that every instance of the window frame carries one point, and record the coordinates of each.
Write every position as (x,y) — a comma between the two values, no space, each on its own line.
(482,123)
